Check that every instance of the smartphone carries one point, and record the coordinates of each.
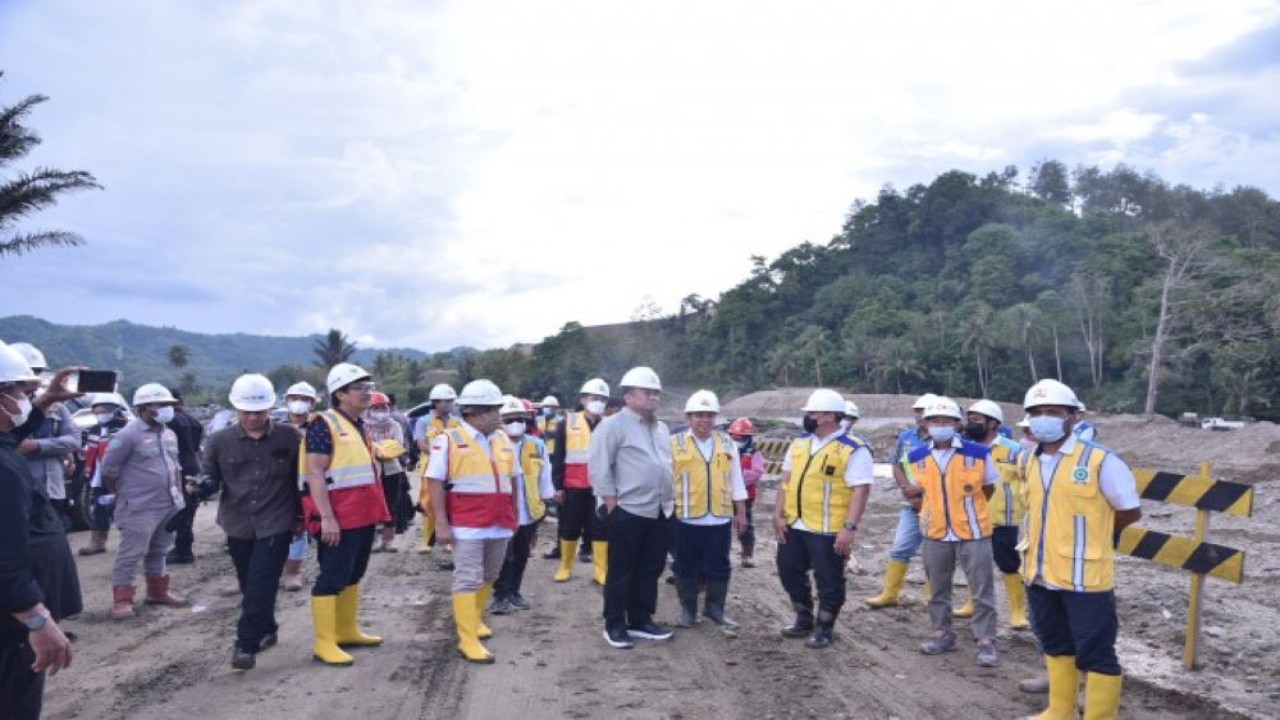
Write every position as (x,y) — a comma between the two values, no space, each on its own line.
(94,381)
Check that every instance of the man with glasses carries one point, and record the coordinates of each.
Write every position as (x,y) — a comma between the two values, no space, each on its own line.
(343,507)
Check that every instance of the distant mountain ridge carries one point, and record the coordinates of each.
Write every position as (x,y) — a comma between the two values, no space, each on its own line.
(141,352)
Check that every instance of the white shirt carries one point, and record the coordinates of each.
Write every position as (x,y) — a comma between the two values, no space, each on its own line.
(438,469)
(859,471)
(707,447)
(942,456)
(546,490)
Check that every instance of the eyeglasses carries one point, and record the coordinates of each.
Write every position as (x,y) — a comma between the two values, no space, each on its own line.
(362,387)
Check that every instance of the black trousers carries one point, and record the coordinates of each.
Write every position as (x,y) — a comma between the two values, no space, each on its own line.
(805,551)
(183,525)
(258,563)
(343,564)
(747,538)
(1004,543)
(395,490)
(702,551)
(637,556)
(578,517)
(21,690)
(512,574)
(1083,624)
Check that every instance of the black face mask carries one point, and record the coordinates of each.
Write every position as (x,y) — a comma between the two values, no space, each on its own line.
(975,431)
(809,424)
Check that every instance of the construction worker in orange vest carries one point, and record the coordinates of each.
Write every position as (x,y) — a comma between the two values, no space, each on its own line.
(437,420)
(578,517)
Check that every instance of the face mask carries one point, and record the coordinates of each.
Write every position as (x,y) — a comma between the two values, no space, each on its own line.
(547,412)
(379,415)
(942,434)
(164,415)
(809,424)
(514,429)
(975,431)
(104,417)
(1048,429)
(595,407)
(299,407)
(24,410)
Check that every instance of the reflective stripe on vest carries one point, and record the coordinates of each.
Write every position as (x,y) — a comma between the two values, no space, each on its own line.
(703,487)
(1069,525)
(954,500)
(472,472)
(351,464)
(531,463)
(1006,504)
(817,493)
(577,440)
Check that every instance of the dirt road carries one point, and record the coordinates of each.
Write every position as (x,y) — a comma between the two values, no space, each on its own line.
(552,662)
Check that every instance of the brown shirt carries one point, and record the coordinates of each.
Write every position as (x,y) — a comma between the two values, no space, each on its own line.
(258,478)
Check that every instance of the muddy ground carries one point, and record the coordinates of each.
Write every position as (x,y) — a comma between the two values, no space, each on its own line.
(552,662)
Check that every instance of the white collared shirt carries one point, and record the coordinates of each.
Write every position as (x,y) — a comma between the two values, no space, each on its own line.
(860,469)
(706,448)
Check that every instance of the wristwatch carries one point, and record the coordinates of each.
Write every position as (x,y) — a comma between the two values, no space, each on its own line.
(851,526)
(36,621)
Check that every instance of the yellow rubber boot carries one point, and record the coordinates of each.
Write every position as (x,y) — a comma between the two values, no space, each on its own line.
(1017,601)
(1064,682)
(466,617)
(428,529)
(965,610)
(894,573)
(600,560)
(1102,696)
(568,549)
(482,602)
(347,627)
(324,609)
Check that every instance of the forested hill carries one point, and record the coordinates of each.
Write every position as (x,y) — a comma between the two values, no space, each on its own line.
(978,285)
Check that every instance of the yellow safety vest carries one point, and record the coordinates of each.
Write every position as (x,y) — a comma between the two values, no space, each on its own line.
(703,487)
(1006,504)
(531,463)
(577,439)
(954,501)
(435,426)
(816,491)
(351,464)
(548,426)
(1069,526)
(471,472)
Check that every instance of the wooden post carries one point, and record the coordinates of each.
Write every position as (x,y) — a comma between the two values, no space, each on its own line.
(1191,652)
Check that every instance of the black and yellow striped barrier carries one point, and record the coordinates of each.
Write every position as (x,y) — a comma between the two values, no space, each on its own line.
(773,449)
(1196,554)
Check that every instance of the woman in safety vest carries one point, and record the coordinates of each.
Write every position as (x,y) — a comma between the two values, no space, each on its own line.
(742,432)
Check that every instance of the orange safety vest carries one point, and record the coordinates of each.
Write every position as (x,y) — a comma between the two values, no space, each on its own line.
(954,500)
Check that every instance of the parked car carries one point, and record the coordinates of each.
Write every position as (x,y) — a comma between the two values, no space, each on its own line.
(1217,423)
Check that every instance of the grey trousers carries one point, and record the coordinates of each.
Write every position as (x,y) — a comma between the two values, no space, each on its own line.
(477,562)
(142,537)
(974,557)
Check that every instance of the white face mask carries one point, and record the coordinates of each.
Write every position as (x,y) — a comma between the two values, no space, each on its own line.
(299,407)
(379,415)
(164,415)
(595,407)
(104,417)
(24,409)
(514,429)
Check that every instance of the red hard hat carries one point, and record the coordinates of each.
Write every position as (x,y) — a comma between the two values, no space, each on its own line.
(377,398)
(528,406)
(742,426)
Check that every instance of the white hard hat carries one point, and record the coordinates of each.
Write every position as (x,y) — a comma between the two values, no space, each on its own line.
(988,408)
(32,355)
(641,377)
(943,407)
(851,409)
(482,393)
(1082,407)
(702,401)
(442,392)
(924,401)
(252,393)
(13,366)
(302,389)
(825,400)
(1050,392)
(512,405)
(153,393)
(550,401)
(1024,423)
(595,386)
(343,374)
(107,399)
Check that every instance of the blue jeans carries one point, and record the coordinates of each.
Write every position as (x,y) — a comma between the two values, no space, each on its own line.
(907,539)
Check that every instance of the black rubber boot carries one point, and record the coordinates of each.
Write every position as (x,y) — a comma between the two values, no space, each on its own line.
(554,552)
(687,591)
(824,633)
(803,624)
(713,609)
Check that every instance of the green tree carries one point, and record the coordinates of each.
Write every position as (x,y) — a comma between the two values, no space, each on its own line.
(332,349)
(30,192)
(179,356)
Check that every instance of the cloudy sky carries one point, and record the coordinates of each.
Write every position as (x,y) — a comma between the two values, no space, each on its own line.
(436,174)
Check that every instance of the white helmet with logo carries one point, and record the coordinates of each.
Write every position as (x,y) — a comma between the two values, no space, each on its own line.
(924,401)
(253,393)
(943,407)
(153,394)
(825,400)
(1050,392)
(512,405)
(595,386)
(344,374)
(641,377)
(988,408)
(32,355)
(702,401)
(302,389)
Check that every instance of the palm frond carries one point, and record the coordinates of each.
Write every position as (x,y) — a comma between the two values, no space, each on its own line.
(27,242)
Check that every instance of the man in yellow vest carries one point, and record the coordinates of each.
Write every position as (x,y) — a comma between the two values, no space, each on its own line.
(956,477)
(982,425)
(578,517)
(343,507)
(436,420)
(473,474)
(826,480)
(549,419)
(1079,497)
(710,496)
(534,490)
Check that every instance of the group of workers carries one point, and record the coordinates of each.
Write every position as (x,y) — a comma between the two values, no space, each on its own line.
(628,491)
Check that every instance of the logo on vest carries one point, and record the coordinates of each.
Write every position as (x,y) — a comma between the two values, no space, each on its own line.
(968,488)
(1080,476)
